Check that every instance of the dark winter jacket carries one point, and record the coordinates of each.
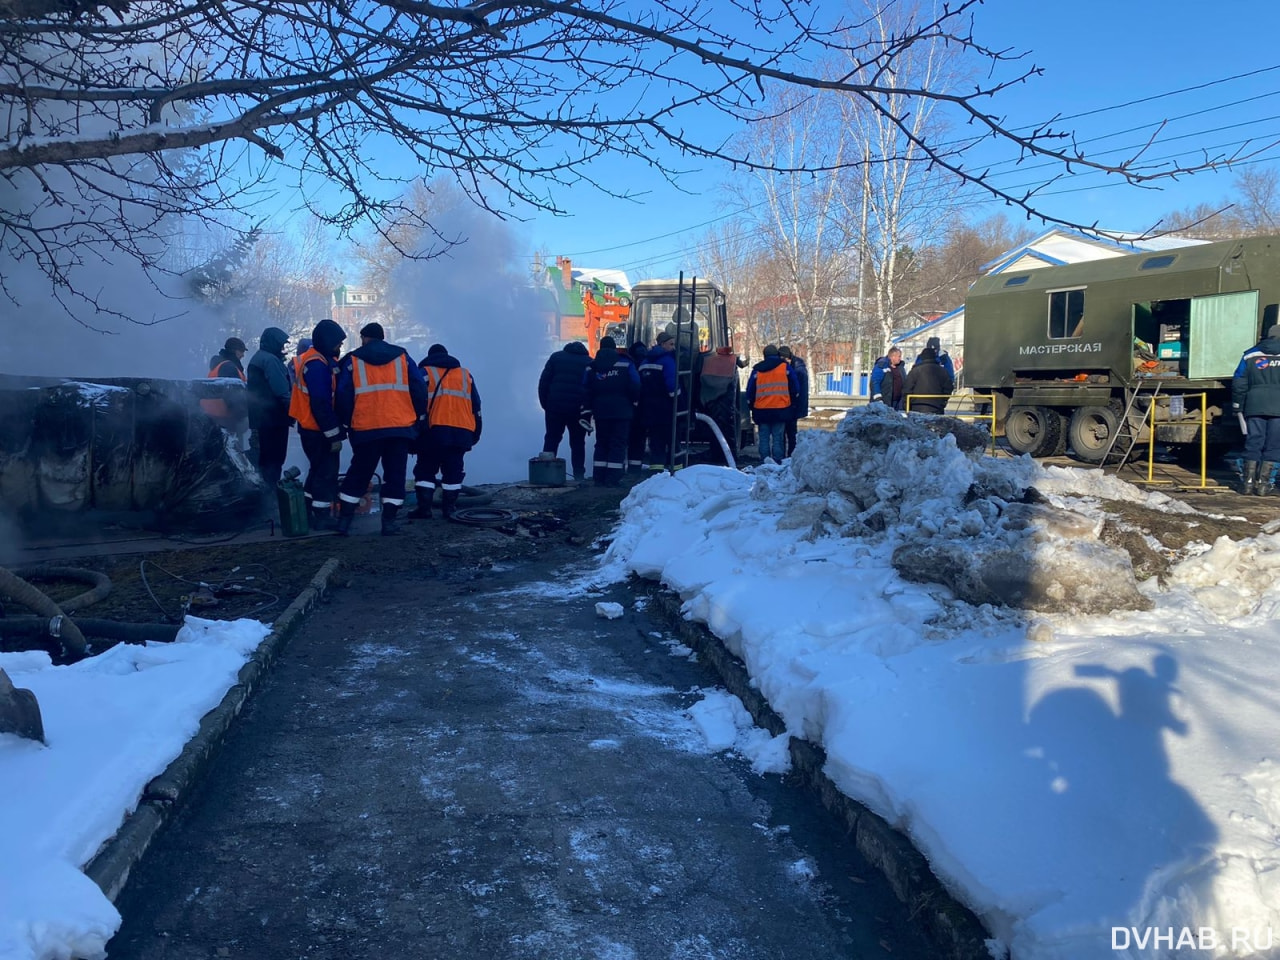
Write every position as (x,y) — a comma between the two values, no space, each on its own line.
(229,365)
(1255,389)
(927,379)
(771,414)
(943,360)
(657,385)
(451,437)
(560,388)
(269,388)
(886,392)
(327,338)
(378,353)
(612,386)
(800,405)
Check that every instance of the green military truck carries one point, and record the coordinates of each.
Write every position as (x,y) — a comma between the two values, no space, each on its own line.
(1081,353)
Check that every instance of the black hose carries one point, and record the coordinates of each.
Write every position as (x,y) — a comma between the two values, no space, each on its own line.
(483,517)
(30,628)
(21,592)
(100,582)
(470,496)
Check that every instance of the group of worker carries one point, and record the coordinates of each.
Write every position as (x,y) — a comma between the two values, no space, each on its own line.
(778,396)
(374,396)
(627,397)
(924,388)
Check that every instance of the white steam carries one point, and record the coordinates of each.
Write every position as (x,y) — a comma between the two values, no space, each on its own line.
(476,299)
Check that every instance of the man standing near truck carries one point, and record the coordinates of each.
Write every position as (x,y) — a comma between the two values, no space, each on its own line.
(1255,395)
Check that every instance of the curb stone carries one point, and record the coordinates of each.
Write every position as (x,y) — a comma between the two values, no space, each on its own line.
(955,930)
(111,866)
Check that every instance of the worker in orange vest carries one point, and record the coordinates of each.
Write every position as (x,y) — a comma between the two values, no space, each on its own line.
(381,397)
(772,392)
(452,428)
(311,405)
(230,410)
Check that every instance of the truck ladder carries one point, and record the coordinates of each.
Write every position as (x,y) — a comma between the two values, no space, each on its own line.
(1128,430)
(686,351)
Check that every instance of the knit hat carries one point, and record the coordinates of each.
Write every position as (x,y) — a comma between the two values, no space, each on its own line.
(665,336)
(771,351)
(437,348)
(934,344)
(785,353)
(608,343)
(373,331)
(1273,332)
(233,344)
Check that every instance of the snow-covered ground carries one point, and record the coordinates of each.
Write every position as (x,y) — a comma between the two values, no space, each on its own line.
(1086,782)
(112,723)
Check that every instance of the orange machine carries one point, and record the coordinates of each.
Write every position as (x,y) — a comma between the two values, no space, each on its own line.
(594,314)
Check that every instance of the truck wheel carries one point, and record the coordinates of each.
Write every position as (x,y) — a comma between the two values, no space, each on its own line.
(1037,431)
(1091,431)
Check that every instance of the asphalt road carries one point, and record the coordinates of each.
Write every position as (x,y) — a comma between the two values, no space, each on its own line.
(460,761)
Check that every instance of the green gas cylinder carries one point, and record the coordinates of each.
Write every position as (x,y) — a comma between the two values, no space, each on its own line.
(293,504)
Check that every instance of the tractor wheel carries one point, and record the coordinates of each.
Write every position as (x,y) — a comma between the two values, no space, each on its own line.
(1037,431)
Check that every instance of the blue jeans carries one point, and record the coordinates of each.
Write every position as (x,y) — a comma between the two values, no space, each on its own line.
(772,441)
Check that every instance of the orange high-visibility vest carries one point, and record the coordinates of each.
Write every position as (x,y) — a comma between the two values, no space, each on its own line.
(451,398)
(382,395)
(300,399)
(215,406)
(772,390)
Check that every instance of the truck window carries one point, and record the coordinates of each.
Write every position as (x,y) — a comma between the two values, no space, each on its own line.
(1066,314)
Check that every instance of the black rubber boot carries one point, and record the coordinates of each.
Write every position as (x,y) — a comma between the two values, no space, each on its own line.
(321,519)
(422,509)
(1263,486)
(1249,475)
(390,523)
(449,503)
(345,517)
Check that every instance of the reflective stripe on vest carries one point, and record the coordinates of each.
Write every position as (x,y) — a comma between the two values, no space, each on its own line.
(382,395)
(450,398)
(772,390)
(300,398)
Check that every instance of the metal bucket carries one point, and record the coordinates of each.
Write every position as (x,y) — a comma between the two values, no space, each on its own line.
(547,473)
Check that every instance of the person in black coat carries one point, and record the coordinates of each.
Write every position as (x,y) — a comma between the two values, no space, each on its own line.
(613,387)
(928,385)
(635,441)
(269,396)
(561,394)
(1255,395)
(800,408)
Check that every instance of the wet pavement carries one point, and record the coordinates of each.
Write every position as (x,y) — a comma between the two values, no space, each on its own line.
(464,760)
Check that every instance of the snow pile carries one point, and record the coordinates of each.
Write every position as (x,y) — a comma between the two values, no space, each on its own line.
(725,723)
(1066,773)
(962,519)
(112,723)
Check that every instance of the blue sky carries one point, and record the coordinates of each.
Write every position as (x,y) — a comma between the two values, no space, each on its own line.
(1096,55)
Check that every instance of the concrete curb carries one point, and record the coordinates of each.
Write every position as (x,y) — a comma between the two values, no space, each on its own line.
(955,930)
(110,868)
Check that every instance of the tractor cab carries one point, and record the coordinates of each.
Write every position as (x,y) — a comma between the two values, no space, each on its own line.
(695,313)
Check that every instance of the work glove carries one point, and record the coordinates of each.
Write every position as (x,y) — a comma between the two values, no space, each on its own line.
(584,421)
(335,444)
(878,396)
(479,429)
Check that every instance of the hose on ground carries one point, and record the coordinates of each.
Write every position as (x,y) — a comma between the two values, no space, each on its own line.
(100,582)
(36,628)
(724,446)
(482,517)
(467,496)
(21,592)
